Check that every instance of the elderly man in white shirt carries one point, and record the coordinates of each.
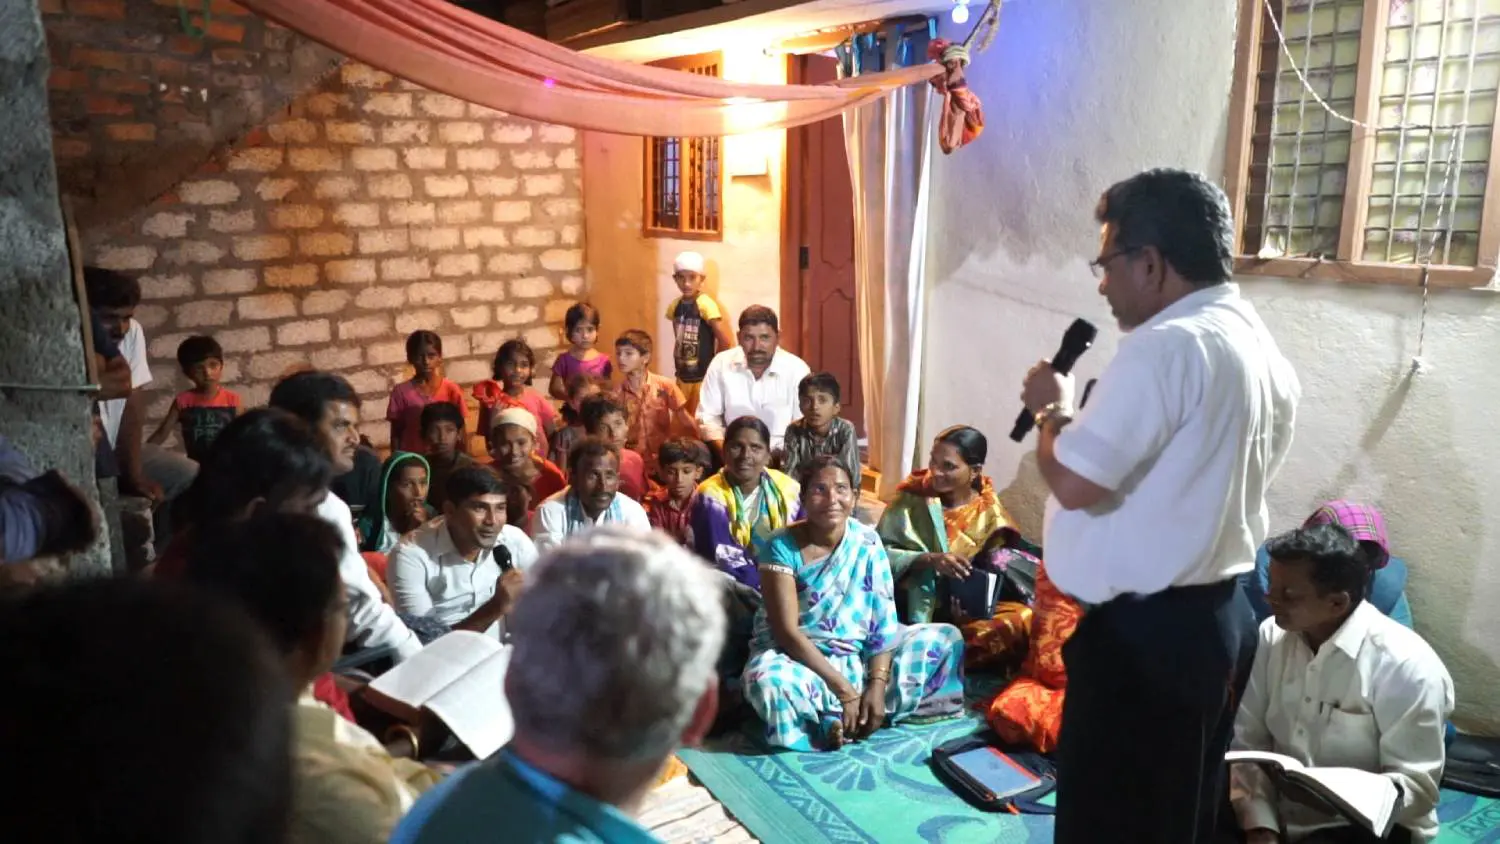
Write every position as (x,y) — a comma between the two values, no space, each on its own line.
(328,404)
(756,378)
(464,570)
(592,498)
(1337,684)
(1158,503)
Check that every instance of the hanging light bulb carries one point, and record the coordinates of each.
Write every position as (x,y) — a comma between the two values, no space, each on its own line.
(961,12)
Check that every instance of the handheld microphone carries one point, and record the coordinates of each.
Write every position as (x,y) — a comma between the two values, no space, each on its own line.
(1076,340)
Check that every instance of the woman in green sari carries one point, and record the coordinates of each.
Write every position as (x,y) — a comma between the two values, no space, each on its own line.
(939,520)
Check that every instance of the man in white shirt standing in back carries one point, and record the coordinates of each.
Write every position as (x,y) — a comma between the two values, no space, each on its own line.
(756,378)
(463,571)
(1158,504)
(329,404)
(1337,684)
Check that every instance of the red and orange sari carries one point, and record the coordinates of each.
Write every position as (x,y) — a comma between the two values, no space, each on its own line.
(1029,710)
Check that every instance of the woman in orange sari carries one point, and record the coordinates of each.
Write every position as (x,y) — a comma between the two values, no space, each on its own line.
(1029,710)
(939,520)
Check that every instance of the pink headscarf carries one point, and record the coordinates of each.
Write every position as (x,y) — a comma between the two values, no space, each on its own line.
(1363,522)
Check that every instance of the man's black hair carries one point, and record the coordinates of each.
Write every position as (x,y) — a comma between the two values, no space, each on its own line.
(266,453)
(470,481)
(1185,216)
(589,447)
(1335,561)
(111,288)
(759,315)
(308,394)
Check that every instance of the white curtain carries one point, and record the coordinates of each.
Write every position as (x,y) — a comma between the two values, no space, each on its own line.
(890,151)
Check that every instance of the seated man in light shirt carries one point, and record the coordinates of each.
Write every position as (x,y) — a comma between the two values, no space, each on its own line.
(756,378)
(329,404)
(592,498)
(464,570)
(1336,683)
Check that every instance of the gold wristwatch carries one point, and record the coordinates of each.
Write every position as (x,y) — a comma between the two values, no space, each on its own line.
(1055,414)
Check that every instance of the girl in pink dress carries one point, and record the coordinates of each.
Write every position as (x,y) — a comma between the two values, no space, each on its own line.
(424,351)
(511,387)
(582,324)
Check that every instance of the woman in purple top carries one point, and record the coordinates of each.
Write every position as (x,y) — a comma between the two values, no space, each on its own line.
(582,324)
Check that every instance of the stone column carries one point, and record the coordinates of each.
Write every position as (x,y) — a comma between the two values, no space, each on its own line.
(41,341)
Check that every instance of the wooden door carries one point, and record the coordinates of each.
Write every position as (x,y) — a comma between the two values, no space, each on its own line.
(818,295)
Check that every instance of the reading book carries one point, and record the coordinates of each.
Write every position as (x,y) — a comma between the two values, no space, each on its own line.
(460,678)
(1363,798)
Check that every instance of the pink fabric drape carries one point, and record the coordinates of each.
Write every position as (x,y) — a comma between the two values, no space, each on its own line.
(457,52)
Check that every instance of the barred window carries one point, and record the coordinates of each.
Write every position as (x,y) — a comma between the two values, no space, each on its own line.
(684,178)
(1406,180)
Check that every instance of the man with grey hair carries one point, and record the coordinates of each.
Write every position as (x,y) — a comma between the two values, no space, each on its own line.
(615,639)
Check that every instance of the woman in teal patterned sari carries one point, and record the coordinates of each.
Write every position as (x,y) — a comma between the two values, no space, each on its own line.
(829,660)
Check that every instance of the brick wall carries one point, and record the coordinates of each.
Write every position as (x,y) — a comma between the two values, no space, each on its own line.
(362,209)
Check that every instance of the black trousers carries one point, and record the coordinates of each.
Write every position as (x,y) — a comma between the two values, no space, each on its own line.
(1153,685)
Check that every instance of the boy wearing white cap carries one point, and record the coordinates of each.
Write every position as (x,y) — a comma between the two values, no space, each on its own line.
(698,327)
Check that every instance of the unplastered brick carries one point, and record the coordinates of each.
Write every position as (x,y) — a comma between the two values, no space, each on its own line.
(361,328)
(385,354)
(357,214)
(409,321)
(320,302)
(303,332)
(383,241)
(432,293)
(267,306)
(209,312)
(294,275)
(325,244)
(410,213)
(208,192)
(262,247)
(360,271)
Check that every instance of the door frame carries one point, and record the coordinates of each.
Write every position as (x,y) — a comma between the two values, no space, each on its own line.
(793,215)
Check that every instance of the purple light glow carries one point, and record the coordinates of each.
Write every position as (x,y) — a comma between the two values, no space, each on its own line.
(549,82)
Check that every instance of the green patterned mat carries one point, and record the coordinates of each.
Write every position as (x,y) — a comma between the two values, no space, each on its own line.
(882,792)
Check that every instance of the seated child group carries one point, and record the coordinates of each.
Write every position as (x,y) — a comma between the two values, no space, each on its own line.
(846,623)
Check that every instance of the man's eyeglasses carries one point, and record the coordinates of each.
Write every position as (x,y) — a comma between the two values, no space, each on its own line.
(1097,266)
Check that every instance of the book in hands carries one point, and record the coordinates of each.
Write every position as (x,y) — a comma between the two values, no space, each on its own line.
(1365,799)
(460,679)
(975,594)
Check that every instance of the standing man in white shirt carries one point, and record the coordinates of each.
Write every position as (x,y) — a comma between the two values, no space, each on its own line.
(756,378)
(592,497)
(1158,504)
(1337,684)
(329,404)
(147,470)
(463,571)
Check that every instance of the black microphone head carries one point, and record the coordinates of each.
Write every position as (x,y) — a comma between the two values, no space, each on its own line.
(1080,335)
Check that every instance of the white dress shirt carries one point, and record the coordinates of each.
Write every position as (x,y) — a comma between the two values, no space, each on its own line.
(429,577)
(557,518)
(1186,428)
(372,622)
(1374,697)
(133,350)
(730,390)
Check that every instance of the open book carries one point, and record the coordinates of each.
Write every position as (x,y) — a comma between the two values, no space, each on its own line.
(460,678)
(1363,798)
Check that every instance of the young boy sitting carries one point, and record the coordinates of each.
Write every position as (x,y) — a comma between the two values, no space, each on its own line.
(820,430)
(204,411)
(682,463)
(604,418)
(654,405)
(443,429)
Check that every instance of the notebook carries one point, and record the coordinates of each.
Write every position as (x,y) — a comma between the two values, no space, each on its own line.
(459,678)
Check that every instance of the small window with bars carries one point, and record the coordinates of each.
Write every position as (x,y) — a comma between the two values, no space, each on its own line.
(1405,181)
(684,176)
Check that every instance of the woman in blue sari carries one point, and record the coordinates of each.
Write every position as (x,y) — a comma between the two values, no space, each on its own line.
(829,661)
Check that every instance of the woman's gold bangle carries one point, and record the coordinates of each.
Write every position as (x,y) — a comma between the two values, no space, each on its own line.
(411,736)
(882,676)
